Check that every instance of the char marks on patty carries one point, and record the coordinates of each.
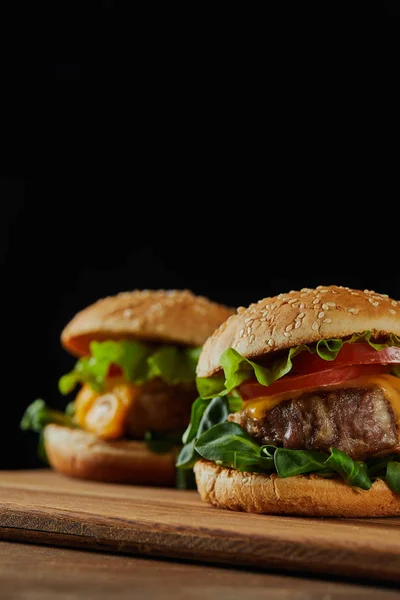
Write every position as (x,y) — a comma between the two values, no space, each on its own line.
(359,421)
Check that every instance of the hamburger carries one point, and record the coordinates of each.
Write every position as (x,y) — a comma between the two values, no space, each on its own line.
(299,406)
(132,386)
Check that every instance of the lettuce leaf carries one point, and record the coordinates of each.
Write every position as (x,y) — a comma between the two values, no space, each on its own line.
(138,361)
(237,368)
(205,414)
(37,415)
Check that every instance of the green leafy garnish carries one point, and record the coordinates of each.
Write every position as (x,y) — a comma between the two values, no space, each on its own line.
(229,445)
(353,472)
(138,361)
(38,415)
(237,368)
(295,462)
(205,414)
(393,476)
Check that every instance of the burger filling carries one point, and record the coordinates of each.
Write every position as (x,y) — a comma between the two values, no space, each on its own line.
(357,420)
(127,390)
(331,409)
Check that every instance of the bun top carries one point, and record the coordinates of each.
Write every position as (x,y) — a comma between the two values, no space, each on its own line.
(167,316)
(300,317)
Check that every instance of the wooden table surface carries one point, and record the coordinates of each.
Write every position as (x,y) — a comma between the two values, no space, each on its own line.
(32,572)
(47,508)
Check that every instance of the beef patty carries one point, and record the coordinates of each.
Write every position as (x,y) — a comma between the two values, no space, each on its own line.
(161,408)
(358,421)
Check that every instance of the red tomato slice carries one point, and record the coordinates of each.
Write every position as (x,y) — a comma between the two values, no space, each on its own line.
(114,370)
(349,354)
(291,383)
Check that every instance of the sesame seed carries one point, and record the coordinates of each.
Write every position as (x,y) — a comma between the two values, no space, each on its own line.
(252,338)
(354,311)
(301,305)
(271,342)
(267,306)
(384,296)
(327,320)
(354,293)
(303,295)
(323,291)
(245,479)
(316,300)
(301,315)
(392,311)
(293,300)
(375,303)
(321,314)
(263,319)
(334,292)
(289,327)
(315,326)
(286,333)
(297,325)
(325,306)
(249,320)
(394,302)
(265,313)
(249,330)
(371,300)
(333,304)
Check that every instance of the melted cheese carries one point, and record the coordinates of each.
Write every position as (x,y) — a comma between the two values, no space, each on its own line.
(257,407)
(105,413)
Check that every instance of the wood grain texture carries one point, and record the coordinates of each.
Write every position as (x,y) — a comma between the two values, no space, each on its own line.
(48,508)
(50,573)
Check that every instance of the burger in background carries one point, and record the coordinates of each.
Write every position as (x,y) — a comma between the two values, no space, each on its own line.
(299,407)
(137,355)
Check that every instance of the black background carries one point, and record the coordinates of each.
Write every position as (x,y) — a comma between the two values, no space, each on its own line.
(141,154)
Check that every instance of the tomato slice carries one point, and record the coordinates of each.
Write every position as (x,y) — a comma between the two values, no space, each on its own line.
(114,370)
(349,354)
(291,383)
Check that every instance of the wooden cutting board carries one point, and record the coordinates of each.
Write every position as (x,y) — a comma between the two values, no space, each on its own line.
(44,507)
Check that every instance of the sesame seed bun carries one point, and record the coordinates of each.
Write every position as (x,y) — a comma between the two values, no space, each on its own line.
(299,317)
(81,454)
(169,316)
(300,495)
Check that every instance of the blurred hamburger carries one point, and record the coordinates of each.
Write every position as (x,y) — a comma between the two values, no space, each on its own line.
(300,406)
(135,380)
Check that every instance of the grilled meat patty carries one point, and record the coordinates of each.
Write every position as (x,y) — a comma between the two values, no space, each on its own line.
(358,421)
(160,408)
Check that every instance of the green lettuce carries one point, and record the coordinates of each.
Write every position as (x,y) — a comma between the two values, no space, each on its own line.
(35,418)
(138,361)
(229,445)
(237,368)
(37,415)
(205,414)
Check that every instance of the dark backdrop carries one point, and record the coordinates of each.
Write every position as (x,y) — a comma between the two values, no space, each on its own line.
(159,167)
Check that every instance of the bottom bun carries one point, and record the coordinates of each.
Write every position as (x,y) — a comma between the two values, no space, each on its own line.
(300,495)
(82,454)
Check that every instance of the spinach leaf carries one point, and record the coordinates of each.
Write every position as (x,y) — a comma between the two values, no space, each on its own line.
(393,476)
(295,462)
(353,472)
